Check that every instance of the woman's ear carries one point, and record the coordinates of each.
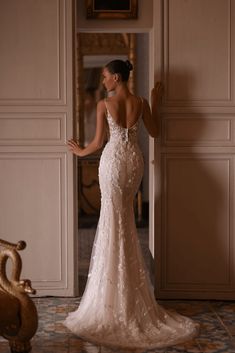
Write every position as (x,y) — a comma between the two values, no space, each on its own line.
(116,77)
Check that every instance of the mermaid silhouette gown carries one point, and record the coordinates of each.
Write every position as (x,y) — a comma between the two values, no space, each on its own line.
(118,307)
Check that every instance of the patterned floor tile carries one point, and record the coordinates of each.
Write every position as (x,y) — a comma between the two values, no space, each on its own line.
(187,307)
(50,349)
(214,337)
(189,347)
(226,315)
(215,345)
(216,319)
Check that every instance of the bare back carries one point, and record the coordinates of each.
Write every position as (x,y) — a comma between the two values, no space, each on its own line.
(125,110)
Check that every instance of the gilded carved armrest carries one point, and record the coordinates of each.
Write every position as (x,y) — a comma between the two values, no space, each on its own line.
(19,289)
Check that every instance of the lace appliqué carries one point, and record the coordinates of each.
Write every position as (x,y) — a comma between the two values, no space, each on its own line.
(118,307)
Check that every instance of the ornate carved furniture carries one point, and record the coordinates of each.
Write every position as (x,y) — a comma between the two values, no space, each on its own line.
(18,314)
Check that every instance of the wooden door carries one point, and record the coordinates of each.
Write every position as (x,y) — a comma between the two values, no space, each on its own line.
(194,219)
(36,119)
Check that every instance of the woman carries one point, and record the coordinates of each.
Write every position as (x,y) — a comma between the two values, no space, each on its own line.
(118,307)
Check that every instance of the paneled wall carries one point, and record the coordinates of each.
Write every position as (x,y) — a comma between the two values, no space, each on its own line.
(36,112)
(195,242)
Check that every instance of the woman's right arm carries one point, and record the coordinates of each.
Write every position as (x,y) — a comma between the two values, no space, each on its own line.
(99,137)
(151,118)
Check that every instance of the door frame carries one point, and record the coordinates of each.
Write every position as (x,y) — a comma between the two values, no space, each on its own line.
(155,74)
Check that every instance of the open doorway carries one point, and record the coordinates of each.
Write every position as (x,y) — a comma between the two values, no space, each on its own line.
(94,51)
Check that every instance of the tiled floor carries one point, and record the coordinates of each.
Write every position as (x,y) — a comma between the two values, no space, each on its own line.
(217,335)
(217,319)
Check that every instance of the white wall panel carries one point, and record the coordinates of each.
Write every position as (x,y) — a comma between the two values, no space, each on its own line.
(32,46)
(185,129)
(32,128)
(36,119)
(197,236)
(199,52)
(36,199)
(195,240)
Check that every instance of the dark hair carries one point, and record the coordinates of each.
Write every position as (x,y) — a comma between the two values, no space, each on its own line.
(120,67)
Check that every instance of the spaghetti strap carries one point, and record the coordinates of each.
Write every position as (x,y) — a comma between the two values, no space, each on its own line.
(105,103)
(142,106)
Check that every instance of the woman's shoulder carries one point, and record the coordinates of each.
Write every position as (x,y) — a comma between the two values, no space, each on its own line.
(115,100)
(101,105)
(139,99)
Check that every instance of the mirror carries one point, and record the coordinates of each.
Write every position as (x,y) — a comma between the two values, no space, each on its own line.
(94,50)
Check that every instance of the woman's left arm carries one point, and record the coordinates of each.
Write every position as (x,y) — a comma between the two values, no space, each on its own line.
(99,137)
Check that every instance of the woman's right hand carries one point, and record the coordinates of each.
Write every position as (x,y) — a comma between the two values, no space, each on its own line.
(75,148)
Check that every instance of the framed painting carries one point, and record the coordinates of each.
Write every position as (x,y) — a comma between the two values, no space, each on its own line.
(112,9)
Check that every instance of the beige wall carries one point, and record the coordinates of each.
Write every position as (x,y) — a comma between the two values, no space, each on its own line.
(193,54)
(195,239)
(36,119)
(192,179)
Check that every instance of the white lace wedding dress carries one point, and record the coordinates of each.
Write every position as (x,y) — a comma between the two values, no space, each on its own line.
(118,307)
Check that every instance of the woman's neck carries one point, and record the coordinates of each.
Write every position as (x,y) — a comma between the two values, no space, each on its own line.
(122,90)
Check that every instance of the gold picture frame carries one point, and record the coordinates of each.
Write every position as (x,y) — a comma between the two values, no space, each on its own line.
(115,9)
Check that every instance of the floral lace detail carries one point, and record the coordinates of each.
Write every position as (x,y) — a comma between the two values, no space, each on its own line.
(118,307)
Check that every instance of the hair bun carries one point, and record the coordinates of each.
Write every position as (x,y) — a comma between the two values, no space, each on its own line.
(129,65)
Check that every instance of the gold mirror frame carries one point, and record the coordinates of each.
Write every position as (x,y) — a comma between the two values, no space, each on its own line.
(100,44)
(111,11)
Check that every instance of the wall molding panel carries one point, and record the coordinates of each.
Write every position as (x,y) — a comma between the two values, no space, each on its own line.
(39,78)
(195,239)
(186,167)
(40,214)
(198,129)
(37,171)
(194,73)
(32,128)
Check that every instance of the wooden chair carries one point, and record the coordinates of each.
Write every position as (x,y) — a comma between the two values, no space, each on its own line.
(18,313)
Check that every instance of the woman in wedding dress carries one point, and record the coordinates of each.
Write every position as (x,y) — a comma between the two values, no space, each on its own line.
(118,308)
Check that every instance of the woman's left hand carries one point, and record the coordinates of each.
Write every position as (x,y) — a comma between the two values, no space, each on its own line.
(157,92)
(75,148)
